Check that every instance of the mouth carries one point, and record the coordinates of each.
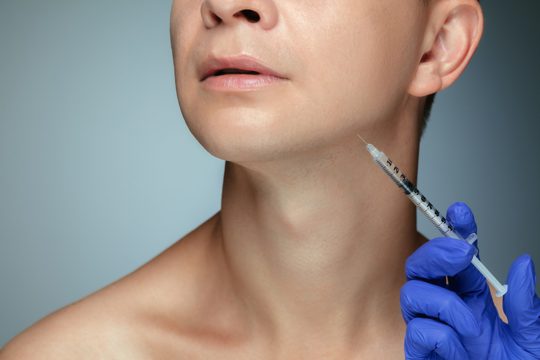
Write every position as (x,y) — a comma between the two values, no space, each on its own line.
(234,65)
(228,71)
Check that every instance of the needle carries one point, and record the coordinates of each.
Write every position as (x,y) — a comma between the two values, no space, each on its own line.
(361,138)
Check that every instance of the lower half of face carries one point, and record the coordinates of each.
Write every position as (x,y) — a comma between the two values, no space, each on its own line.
(348,64)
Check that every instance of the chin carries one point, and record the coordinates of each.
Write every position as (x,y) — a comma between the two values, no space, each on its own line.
(246,134)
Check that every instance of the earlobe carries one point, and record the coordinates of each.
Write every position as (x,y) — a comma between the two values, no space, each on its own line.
(454,32)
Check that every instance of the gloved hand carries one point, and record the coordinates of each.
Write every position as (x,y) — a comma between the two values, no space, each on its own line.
(459,320)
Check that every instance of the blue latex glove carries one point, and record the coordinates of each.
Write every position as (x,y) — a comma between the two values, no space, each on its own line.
(459,320)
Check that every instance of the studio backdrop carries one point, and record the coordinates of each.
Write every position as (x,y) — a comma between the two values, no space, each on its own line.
(99,173)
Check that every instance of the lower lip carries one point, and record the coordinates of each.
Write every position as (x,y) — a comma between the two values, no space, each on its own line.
(240,82)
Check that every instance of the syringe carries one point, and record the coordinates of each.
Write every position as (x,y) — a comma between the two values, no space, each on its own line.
(430,211)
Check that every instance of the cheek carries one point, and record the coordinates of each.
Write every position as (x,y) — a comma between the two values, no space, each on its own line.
(185,29)
(185,24)
(359,68)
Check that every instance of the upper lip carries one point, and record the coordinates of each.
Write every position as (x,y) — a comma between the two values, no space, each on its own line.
(243,62)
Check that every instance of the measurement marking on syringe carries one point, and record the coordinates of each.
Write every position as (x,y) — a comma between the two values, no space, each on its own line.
(412,192)
(427,209)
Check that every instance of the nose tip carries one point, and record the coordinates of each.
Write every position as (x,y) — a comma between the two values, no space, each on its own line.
(215,12)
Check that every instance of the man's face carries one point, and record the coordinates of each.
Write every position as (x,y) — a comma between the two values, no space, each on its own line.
(348,65)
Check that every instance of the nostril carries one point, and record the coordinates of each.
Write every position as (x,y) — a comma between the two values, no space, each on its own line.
(250,15)
(216,18)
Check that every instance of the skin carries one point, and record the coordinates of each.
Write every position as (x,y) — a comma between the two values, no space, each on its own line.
(300,262)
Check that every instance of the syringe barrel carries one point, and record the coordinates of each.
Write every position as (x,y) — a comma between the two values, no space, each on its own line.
(429,210)
(412,192)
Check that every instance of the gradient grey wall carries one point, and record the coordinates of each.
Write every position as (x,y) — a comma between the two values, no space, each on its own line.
(99,173)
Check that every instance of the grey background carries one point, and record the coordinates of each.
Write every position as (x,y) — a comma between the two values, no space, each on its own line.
(99,173)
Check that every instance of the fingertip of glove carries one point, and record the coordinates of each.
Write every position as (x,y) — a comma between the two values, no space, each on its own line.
(466,249)
(460,215)
(522,272)
(456,247)
(460,212)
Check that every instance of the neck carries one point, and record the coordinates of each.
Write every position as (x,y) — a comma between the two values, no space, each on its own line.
(320,242)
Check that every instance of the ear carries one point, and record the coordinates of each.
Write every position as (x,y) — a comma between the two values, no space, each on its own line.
(453,31)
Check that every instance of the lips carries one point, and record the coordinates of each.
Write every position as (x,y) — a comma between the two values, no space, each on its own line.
(243,64)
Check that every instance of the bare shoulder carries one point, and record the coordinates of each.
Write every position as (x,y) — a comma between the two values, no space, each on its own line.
(81,330)
(124,320)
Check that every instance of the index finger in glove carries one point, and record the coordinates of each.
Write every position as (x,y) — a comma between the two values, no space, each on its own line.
(439,257)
